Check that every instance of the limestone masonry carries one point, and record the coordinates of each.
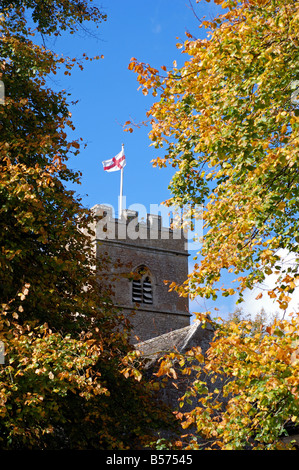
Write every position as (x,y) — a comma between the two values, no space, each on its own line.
(155,254)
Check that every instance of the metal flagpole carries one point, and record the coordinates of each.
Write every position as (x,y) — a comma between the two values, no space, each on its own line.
(121,189)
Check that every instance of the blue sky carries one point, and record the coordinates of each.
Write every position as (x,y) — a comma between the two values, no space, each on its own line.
(108,96)
(107,92)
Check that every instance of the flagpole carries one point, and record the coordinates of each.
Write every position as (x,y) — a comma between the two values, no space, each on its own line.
(121,189)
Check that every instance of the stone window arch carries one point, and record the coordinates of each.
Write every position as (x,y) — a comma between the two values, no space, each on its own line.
(142,289)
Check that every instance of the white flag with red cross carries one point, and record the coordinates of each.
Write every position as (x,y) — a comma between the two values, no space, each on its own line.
(116,163)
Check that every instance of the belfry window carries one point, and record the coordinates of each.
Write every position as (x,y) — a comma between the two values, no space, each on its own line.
(142,292)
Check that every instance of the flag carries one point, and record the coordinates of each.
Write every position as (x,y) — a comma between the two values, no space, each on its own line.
(116,163)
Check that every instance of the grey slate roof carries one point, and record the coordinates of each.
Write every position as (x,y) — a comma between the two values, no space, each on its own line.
(180,340)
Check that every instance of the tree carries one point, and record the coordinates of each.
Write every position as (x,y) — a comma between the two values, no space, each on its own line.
(228,122)
(62,384)
(245,391)
(259,321)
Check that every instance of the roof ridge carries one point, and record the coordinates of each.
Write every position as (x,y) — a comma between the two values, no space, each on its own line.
(169,334)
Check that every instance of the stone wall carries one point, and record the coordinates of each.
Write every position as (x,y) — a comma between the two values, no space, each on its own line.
(131,244)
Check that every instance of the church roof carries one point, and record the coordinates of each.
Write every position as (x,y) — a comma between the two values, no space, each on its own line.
(179,340)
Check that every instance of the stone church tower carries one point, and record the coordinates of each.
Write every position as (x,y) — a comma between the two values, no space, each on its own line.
(153,254)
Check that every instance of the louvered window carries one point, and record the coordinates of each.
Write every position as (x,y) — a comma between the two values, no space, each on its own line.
(142,288)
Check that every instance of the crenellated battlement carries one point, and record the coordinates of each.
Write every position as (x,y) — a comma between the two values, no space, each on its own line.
(130,228)
(153,252)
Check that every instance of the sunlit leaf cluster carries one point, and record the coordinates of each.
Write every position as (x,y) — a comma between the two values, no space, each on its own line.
(63,383)
(227,122)
(228,125)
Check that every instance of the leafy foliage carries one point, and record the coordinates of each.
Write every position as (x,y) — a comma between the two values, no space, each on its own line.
(245,391)
(62,384)
(231,130)
(229,126)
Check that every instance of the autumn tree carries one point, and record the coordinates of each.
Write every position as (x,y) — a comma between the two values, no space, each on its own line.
(228,123)
(61,384)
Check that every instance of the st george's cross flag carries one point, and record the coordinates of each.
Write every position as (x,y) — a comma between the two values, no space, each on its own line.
(116,163)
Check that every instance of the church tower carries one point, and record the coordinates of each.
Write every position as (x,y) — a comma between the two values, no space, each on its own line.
(149,255)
